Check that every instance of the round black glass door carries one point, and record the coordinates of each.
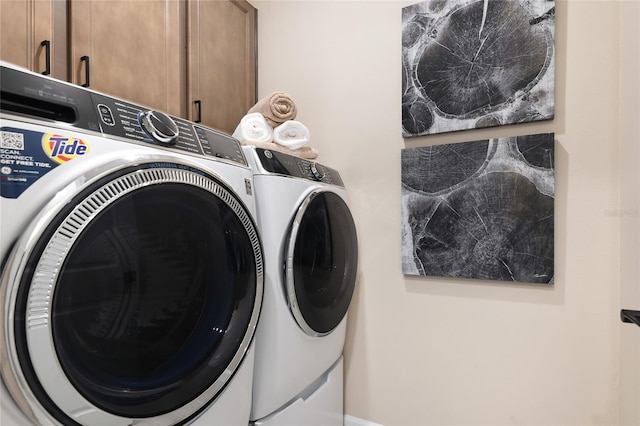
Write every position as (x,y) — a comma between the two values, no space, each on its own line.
(321,269)
(155,297)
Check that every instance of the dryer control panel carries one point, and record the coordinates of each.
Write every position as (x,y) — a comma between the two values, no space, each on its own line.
(42,98)
(289,165)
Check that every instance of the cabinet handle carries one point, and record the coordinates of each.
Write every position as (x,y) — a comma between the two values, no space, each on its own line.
(627,315)
(47,56)
(199,108)
(87,71)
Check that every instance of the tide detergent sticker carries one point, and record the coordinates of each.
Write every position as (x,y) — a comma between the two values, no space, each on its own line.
(26,156)
(62,148)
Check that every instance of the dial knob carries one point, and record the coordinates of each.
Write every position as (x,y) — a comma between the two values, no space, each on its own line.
(159,126)
(317,172)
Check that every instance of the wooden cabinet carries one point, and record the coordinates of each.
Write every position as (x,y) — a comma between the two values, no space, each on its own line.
(32,33)
(163,54)
(131,50)
(222,62)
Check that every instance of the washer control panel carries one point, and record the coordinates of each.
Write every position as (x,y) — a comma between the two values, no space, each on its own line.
(35,96)
(127,120)
(289,165)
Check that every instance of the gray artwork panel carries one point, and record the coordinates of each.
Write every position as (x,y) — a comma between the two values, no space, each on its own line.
(481,209)
(476,63)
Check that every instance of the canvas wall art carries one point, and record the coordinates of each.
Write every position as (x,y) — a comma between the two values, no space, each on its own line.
(476,63)
(481,209)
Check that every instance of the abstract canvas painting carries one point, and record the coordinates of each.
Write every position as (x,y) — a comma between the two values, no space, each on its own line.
(476,63)
(481,209)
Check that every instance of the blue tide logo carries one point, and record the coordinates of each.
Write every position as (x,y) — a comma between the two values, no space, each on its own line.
(62,149)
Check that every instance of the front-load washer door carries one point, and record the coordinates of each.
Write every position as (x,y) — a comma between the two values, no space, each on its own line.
(321,262)
(136,303)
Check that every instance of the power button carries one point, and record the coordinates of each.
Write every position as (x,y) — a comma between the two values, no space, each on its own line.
(105,115)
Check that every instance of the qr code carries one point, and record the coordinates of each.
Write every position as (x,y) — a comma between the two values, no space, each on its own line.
(11,140)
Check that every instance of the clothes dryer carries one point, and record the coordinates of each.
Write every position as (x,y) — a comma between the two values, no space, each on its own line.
(132,271)
(311,256)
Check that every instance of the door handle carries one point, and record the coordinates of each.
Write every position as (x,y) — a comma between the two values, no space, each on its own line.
(627,315)
(87,71)
(47,56)
(199,107)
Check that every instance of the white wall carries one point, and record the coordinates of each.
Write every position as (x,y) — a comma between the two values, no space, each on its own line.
(442,351)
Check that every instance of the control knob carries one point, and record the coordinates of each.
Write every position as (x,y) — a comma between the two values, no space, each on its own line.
(159,126)
(316,172)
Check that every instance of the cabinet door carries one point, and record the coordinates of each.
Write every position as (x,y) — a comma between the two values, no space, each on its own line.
(135,50)
(25,26)
(222,61)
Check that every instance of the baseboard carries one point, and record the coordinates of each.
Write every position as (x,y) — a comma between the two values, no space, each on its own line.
(355,421)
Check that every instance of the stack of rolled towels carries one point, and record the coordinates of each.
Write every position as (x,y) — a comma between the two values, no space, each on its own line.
(271,124)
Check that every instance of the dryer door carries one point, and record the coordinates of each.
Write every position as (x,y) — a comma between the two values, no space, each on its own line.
(321,262)
(138,300)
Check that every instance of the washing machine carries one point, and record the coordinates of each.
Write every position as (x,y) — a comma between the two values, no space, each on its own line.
(132,270)
(311,258)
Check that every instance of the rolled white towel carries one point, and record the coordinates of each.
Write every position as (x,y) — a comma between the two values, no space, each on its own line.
(292,134)
(253,127)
